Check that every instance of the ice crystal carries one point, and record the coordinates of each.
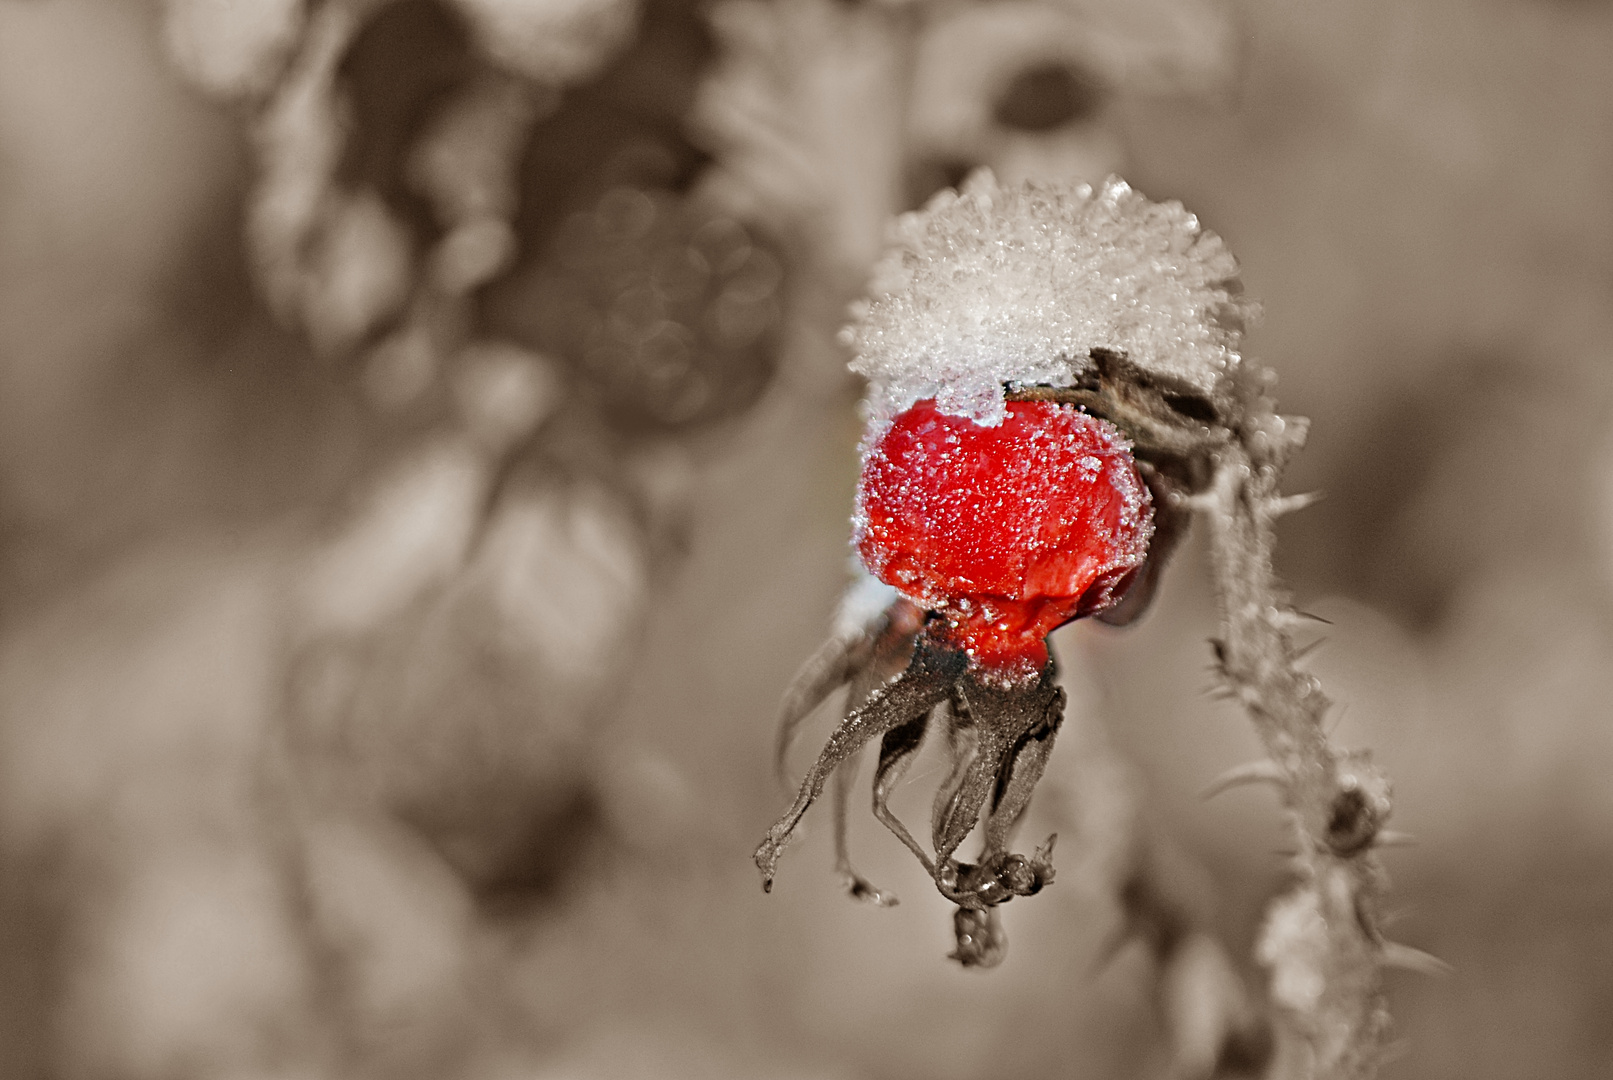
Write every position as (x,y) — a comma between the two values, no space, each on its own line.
(989,286)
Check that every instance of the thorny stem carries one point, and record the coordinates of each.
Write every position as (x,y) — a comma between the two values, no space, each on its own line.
(1321,941)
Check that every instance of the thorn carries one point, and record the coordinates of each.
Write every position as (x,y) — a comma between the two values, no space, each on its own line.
(1338,719)
(1303,651)
(1287,504)
(1391,838)
(1390,918)
(1110,948)
(1291,619)
(1200,503)
(1406,958)
(1263,771)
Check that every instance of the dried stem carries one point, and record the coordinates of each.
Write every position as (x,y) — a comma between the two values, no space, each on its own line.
(1321,940)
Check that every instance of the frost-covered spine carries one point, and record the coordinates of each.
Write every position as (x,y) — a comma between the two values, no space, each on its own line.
(1320,942)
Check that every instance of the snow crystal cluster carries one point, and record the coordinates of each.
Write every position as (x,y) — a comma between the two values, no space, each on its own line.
(989,286)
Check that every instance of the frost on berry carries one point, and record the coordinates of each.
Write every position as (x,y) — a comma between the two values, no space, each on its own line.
(992,286)
(1007,531)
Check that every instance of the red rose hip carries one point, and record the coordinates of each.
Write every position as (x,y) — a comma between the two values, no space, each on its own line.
(1007,531)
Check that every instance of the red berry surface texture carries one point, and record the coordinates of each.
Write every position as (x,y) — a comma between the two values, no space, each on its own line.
(1008,530)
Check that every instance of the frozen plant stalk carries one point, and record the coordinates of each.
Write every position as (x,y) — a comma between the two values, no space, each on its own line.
(1321,941)
(1055,388)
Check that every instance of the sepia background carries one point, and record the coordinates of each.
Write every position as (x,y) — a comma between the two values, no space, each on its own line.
(425,456)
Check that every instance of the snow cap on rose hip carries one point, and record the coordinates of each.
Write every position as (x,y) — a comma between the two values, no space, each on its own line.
(987,286)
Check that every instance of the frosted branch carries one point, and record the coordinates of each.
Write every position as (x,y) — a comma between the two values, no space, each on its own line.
(1321,940)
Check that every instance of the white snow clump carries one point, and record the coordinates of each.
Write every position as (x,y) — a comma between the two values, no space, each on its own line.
(987,286)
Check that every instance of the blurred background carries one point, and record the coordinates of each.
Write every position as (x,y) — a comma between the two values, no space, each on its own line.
(425,456)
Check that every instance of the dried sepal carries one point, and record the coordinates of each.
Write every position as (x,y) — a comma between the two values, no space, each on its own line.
(926,682)
(998,736)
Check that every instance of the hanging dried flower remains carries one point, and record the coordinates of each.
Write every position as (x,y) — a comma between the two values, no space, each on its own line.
(1055,387)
